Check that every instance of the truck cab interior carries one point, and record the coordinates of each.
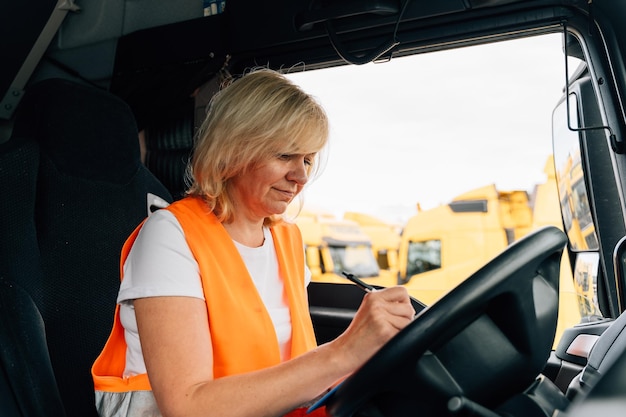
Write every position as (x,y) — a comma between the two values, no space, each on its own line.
(99,102)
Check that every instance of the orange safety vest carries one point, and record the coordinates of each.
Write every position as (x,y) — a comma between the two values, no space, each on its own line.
(231,298)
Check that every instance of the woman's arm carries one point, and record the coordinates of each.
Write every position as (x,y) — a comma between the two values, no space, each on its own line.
(176,344)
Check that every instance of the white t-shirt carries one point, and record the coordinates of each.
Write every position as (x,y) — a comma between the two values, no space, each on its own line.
(160,263)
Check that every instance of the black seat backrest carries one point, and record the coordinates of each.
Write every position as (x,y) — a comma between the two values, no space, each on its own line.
(27,383)
(19,252)
(92,191)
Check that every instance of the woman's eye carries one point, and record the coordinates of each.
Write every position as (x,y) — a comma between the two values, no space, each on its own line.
(308,160)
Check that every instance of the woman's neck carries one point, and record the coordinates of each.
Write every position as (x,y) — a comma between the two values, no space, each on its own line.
(246,233)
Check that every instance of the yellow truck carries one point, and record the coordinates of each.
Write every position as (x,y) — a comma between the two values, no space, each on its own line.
(446,244)
(442,246)
(385,238)
(335,245)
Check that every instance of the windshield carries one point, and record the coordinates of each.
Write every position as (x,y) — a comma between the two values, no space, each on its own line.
(435,135)
(357,260)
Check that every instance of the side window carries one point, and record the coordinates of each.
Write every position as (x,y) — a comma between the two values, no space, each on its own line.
(423,256)
(382,258)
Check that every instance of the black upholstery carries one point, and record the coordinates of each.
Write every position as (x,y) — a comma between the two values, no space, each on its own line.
(607,349)
(27,383)
(169,144)
(607,398)
(19,253)
(92,191)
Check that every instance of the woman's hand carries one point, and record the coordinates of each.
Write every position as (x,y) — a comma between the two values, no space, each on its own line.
(382,314)
(179,358)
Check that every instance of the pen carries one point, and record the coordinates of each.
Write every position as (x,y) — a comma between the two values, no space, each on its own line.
(362,285)
(368,288)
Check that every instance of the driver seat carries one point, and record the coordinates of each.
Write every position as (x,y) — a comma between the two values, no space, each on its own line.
(90,191)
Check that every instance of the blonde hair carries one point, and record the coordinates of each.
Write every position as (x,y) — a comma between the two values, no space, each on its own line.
(255,118)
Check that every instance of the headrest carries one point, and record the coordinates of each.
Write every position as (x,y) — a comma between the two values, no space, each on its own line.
(85,131)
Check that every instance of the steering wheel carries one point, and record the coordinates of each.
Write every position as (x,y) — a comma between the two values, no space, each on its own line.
(477,347)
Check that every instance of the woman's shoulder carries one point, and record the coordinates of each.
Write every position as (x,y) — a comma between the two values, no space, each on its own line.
(159,223)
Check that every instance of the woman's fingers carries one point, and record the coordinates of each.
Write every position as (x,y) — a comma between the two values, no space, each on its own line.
(390,302)
(382,314)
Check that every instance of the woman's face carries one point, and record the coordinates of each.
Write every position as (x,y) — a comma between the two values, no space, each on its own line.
(268,188)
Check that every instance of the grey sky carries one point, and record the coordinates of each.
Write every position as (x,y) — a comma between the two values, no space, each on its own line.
(427,128)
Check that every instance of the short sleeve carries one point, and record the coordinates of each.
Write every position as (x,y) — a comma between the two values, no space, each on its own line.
(307,276)
(160,262)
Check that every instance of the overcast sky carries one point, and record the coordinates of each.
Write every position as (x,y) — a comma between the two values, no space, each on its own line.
(427,128)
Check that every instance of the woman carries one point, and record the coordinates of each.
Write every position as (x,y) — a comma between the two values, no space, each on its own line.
(212,312)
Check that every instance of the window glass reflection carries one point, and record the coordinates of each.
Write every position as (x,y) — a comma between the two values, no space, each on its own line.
(357,260)
(423,256)
(575,206)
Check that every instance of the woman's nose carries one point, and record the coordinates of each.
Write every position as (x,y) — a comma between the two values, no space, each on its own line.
(299,172)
